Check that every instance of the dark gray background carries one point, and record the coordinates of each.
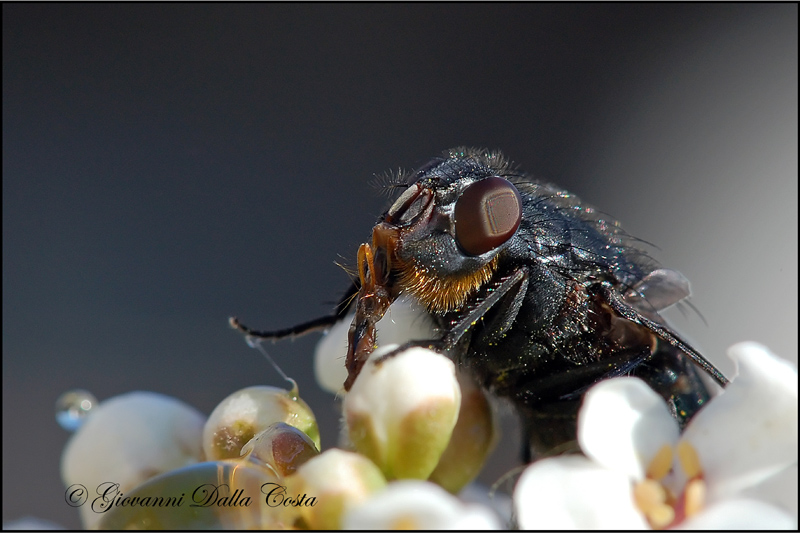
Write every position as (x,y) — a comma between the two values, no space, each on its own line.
(166,166)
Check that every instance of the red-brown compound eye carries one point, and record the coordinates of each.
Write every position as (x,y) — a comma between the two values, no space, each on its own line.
(487,214)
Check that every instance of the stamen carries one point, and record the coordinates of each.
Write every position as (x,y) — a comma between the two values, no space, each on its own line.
(661,464)
(648,494)
(651,498)
(689,460)
(656,502)
(661,517)
(694,497)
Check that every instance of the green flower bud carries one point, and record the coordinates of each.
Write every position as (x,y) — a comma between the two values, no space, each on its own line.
(474,437)
(337,480)
(245,413)
(401,412)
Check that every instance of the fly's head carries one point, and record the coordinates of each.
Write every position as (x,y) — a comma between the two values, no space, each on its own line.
(440,242)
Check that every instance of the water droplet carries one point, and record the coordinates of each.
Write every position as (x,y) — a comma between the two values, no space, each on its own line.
(72,407)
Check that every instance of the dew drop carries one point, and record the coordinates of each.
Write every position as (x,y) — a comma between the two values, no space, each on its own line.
(72,408)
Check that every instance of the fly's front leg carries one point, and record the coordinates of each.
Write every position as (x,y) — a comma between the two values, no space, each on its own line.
(317,324)
(513,284)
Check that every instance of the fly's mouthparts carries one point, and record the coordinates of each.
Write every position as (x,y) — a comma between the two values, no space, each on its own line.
(374,298)
(365,265)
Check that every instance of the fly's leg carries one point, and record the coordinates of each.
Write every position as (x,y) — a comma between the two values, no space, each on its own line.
(317,324)
(515,282)
(661,331)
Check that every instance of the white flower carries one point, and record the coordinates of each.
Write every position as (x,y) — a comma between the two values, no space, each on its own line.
(572,492)
(639,471)
(411,504)
(128,439)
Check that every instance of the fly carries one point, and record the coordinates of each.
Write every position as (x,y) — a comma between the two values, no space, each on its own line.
(537,295)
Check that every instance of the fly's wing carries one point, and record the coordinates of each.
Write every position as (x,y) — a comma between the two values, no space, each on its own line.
(658,290)
(669,371)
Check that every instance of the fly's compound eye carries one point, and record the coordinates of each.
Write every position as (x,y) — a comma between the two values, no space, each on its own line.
(487,214)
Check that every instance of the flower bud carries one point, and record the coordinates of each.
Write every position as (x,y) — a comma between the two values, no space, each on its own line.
(223,494)
(245,413)
(474,437)
(401,411)
(337,480)
(282,447)
(128,439)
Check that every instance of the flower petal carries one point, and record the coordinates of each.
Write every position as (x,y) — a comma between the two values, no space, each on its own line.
(499,502)
(749,432)
(779,490)
(623,423)
(572,492)
(405,320)
(473,438)
(738,514)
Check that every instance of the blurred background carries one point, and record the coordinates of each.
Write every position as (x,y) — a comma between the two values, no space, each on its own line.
(167,166)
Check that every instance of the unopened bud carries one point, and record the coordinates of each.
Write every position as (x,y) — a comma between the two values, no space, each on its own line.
(336,480)
(282,447)
(474,437)
(401,411)
(245,413)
